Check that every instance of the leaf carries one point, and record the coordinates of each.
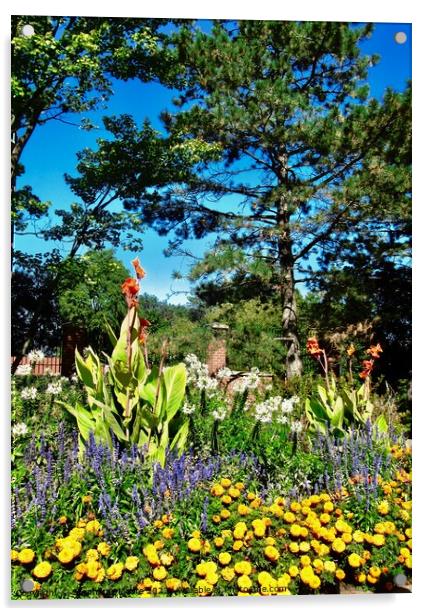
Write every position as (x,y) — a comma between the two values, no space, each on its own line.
(84,373)
(175,378)
(337,417)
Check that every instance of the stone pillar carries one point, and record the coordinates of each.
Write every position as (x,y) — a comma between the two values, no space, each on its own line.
(217,349)
(73,337)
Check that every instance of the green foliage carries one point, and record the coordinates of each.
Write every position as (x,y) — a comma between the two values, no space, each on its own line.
(137,404)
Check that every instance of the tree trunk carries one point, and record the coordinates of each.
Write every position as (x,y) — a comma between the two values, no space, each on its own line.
(293,362)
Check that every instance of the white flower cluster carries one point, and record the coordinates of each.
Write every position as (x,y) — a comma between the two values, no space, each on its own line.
(219,414)
(296,426)
(29,393)
(224,373)
(35,356)
(23,370)
(188,409)
(250,381)
(19,429)
(198,375)
(54,388)
(276,405)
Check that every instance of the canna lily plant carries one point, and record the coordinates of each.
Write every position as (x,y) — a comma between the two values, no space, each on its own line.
(336,408)
(139,405)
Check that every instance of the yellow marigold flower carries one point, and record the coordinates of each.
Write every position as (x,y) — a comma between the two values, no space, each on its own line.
(101,573)
(168,533)
(36,586)
(93,526)
(115,571)
(244,582)
(383,507)
(284,580)
(14,555)
(296,507)
(323,550)
(325,518)
(42,570)
(87,499)
(173,584)
(242,509)
(408,533)
(226,499)
(239,530)
(305,560)
(226,483)
(289,517)
(159,573)
(103,548)
(318,564)
(251,496)
(131,563)
(217,490)
(375,571)
(328,507)
(194,545)
(354,560)
(224,558)
(203,588)
(80,571)
(167,559)
(340,574)
(294,547)
(92,569)
(293,570)
(255,503)
(259,530)
(371,579)
(295,530)
(239,485)
(156,588)
(338,545)
(271,553)
(234,492)
(226,533)
(306,574)
(66,555)
(378,540)
(270,541)
(92,555)
(225,514)
(329,566)
(361,578)
(358,536)
(227,574)
(62,520)
(219,542)
(315,582)
(216,519)
(346,537)
(237,545)
(212,578)
(243,567)
(304,546)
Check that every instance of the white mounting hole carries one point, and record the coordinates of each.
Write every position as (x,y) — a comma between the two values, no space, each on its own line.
(27,30)
(400,37)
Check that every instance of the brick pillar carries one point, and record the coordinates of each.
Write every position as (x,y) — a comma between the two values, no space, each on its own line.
(217,349)
(73,337)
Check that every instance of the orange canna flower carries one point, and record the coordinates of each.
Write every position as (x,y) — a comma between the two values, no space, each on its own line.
(130,287)
(375,350)
(313,348)
(367,368)
(140,272)
(144,323)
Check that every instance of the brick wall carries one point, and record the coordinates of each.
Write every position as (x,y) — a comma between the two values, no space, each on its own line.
(217,349)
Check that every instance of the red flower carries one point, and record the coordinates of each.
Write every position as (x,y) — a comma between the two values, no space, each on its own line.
(313,348)
(130,287)
(140,272)
(143,334)
(374,350)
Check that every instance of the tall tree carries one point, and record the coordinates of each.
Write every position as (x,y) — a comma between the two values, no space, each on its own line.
(286,110)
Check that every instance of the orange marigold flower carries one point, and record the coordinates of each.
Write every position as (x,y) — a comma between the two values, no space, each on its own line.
(130,287)
(374,350)
(140,272)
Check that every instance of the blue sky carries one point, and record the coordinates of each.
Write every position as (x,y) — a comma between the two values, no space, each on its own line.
(52,149)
